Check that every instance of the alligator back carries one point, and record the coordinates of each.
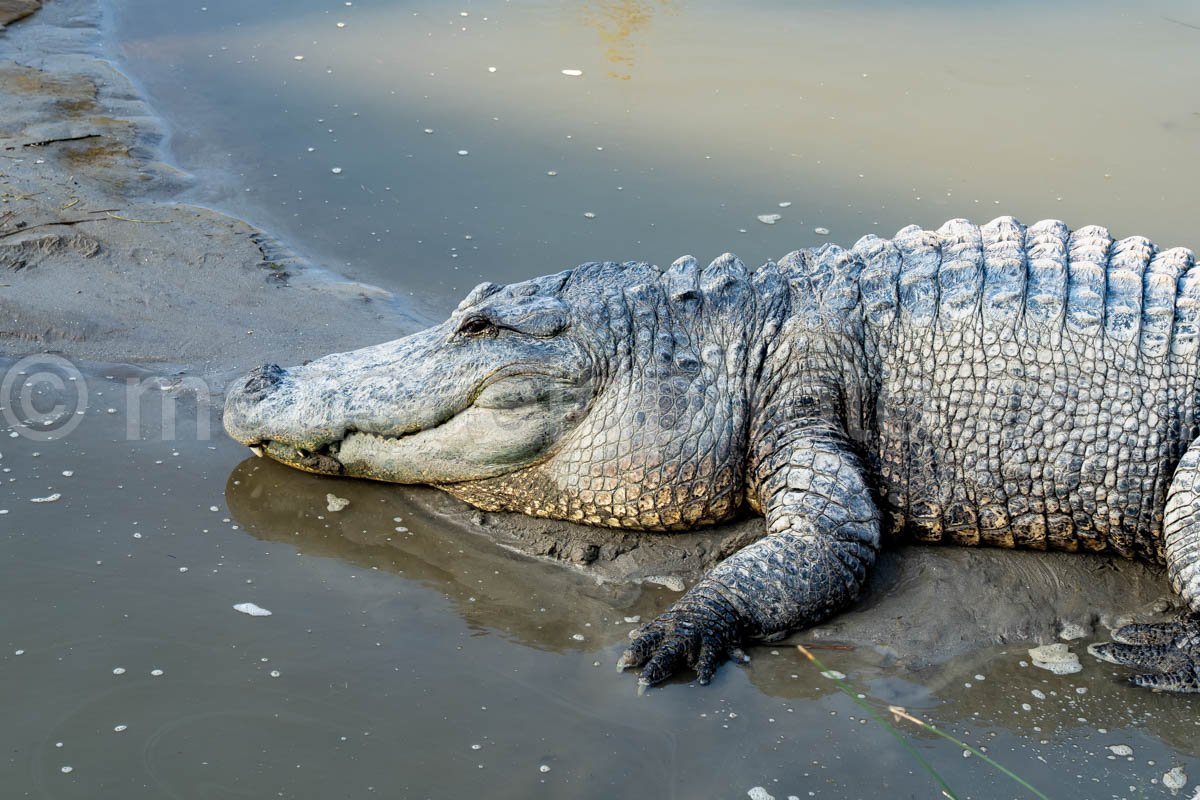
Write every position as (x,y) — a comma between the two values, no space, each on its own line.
(1030,387)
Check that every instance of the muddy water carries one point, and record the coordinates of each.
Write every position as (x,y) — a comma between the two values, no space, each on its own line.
(406,657)
(690,119)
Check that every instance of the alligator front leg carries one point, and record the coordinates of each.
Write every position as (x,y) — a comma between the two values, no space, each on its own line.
(823,536)
(1168,654)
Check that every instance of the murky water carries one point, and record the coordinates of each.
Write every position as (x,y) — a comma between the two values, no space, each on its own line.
(690,119)
(408,657)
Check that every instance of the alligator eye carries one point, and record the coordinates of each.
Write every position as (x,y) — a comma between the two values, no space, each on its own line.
(476,326)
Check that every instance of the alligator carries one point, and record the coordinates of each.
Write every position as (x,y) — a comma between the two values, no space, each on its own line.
(981,385)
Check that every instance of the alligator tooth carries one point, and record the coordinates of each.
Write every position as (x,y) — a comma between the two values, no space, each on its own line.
(257,450)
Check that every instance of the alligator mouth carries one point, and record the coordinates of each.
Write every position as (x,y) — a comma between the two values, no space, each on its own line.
(325,459)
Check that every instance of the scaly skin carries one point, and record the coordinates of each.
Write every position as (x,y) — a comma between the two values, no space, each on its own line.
(993,385)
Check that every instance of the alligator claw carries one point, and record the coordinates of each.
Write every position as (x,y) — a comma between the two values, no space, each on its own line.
(699,631)
(1170,652)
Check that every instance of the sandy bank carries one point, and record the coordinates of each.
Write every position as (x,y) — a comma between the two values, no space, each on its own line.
(97,263)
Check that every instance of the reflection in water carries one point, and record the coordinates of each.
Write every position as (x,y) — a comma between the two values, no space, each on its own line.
(542,605)
(618,22)
(386,528)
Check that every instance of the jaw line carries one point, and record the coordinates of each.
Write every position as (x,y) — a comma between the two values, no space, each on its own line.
(324,459)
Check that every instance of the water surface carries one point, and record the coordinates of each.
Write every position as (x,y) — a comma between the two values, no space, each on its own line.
(690,119)
(407,657)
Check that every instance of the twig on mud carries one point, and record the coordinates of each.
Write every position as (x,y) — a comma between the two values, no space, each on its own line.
(71,204)
(63,139)
(14,232)
(142,221)
(844,647)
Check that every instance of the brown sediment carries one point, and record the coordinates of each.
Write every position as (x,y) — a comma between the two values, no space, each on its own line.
(13,10)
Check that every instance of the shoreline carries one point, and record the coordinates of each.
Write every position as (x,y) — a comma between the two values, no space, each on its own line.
(100,265)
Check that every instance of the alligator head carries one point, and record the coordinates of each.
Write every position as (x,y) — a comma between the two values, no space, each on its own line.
(610,394)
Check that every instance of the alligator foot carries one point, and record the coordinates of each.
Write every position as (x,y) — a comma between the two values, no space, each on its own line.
(699,631)
(1169,651)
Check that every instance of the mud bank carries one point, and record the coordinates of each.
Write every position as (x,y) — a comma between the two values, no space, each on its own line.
(98,263)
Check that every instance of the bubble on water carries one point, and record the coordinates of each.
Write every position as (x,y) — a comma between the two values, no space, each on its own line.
(18,652)
(1071,631)
(1122,750)
(476,746)
(491,69)
(341,24)
(50,498)
(67,473)
(66,770)
(213,508)
(1175,780)
(335,503)
(118,671)
(275,673)
(1056,658)
(544,768)
(336,170)
(785,204)
(572,73)
(120,728)
(1039,694)
(156,673)
(464,152)
(769,219)
(298,58)
(551,172)
(589,214)
(137,536)
(252,610)
(759,793)
(429,130)
(183,569)
(821,231)
(577,637)
(833,675)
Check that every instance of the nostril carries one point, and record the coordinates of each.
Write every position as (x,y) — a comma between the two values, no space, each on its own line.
(263,380)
